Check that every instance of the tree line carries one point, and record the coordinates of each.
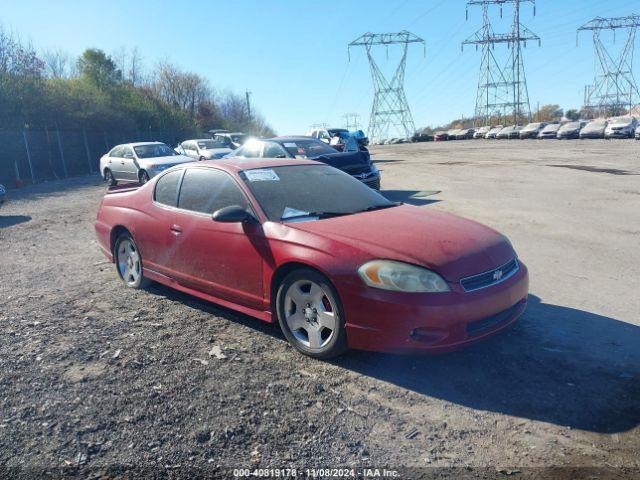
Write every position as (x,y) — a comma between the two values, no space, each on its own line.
(100,91)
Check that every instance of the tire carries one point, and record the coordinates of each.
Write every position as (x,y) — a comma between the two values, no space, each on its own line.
(129,262)
(108,178)
(201,159)
(310,314)
(143,176)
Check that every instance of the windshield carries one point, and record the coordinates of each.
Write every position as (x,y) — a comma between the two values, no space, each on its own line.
(531,126)
(571,126)
(307,148)
(552,127)
(620,121)
(284,192)
(209,144)
(595,126)
(154,150)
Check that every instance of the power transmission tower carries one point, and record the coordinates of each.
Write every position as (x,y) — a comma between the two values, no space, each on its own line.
(390,108)
(614,88)
(351,121)
(502,91)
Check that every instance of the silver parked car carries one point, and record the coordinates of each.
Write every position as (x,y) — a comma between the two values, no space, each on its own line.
(621,127)
(512,131)
(594,129)
(138,162)
(550,131)
(482,131)
(494,131)
(203,149)
(532,130)
(570,130)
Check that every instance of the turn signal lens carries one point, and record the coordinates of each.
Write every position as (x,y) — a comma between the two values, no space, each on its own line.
(401,277)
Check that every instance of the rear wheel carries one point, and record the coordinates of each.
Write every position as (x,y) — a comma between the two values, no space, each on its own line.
(109,179)
(129,262)
(310,314)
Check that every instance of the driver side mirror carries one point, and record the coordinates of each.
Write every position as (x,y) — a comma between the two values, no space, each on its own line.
(232,214)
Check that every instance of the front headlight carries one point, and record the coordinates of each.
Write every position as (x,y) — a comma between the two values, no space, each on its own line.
(374,169)
(401,277)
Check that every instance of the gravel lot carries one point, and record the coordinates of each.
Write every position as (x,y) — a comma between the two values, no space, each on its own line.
(97,379)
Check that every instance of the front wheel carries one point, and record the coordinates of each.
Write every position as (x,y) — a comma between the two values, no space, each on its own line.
(109,179)
(310,314)
(129,262)
(143,176)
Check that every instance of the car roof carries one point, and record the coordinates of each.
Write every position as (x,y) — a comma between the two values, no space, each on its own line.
(137,144)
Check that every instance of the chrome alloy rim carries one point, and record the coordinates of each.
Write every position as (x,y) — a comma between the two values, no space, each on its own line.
(310,314)
(129,262)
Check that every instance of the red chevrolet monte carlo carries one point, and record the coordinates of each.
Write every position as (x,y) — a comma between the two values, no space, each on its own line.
(307,245)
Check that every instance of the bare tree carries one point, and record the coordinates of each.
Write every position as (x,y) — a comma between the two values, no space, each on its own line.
(184,90)
(135,71)
(58,64)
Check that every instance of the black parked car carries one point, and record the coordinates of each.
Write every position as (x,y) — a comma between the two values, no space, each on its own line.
(422,137)
(357,164)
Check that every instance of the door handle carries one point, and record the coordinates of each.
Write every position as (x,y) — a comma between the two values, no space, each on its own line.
(122,162)
(176,229)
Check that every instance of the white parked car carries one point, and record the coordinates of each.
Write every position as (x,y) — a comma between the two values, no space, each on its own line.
(494,131)
(594,129)
(203,149)
(138,162)
(621,127)
(482,131)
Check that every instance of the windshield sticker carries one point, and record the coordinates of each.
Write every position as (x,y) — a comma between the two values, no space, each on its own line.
(301,156)
(290,145)
(261,175)
(292,212)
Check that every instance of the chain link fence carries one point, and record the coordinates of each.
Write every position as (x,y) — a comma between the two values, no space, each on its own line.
(30,156)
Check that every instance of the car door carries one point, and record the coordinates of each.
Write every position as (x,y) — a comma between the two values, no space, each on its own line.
(221,259)
(115,163)
(129,164)
(155,237)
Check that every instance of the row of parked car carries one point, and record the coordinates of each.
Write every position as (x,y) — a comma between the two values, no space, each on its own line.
(620,127)
(141,161)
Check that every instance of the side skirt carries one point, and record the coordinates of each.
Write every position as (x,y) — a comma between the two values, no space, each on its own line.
(265,316)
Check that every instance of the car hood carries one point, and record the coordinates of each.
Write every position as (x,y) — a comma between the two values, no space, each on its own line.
(170,160)
(453,246)
(342,160)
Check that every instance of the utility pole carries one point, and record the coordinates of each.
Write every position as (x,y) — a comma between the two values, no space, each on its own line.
(614,87)
(501,90)
(247,95)
(351,121)
(390,109)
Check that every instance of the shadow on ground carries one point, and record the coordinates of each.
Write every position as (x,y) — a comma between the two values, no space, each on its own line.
(412,197)
(559,365)
(11,220)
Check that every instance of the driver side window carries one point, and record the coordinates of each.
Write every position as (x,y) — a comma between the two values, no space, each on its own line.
(205,190)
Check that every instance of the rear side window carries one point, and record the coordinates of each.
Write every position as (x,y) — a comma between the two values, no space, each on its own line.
(207,190)
(116,152)
(167,188)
